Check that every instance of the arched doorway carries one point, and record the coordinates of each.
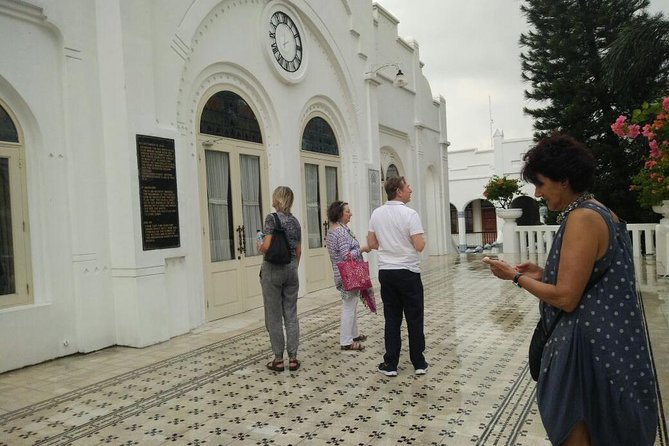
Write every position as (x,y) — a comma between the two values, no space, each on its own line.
(320,171)
(233,191)
(480,223)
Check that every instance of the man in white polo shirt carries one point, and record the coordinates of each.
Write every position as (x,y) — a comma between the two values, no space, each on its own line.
(396,231)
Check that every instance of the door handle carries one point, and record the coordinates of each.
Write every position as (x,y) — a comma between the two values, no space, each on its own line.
(241,239)
(326,226)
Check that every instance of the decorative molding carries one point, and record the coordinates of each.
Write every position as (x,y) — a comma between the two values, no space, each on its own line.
(72,53)
(138,272)
(347,7)
(393,132)
(23,10)
(180,47)
(87,257)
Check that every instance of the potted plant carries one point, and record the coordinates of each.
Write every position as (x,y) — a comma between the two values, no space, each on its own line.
(502,190)
(649,123)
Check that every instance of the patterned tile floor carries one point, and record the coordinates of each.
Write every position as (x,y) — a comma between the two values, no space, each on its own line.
(211,387)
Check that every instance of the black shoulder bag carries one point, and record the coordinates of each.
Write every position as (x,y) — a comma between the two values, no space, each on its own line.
(539,339)
(279,249)
(541,335)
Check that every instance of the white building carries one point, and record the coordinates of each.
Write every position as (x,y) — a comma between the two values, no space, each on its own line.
(140,141)
(474,220)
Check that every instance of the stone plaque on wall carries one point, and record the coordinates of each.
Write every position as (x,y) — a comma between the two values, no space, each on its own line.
(374,179)
(158,192)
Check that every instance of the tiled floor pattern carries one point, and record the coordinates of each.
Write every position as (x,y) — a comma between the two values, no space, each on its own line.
(477,390)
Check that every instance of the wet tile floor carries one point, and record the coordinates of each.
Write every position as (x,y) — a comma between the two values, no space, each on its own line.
(211,387)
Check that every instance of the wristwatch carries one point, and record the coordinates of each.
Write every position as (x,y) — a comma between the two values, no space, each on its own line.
(515,279)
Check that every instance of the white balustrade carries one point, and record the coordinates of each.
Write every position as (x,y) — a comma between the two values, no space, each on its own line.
(539,238)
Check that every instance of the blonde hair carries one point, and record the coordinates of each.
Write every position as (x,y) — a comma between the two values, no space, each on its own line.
(282,199)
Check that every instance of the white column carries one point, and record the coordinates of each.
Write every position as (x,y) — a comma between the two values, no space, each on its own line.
(462,231)
(662,239)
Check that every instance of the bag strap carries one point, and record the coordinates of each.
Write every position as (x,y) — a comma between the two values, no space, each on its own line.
(277,221)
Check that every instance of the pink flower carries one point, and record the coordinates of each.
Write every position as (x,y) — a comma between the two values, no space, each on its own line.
(665,103)
(650,164)
(619,126)
(654,150)
(647,132)
(633,131)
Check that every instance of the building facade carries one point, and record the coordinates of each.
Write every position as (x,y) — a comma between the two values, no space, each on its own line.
(140,141)
(474,220)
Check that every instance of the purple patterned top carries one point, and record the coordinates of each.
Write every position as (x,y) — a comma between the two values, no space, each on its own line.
(341,241)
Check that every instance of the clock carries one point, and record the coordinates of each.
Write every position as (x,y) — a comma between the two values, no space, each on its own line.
(285,42)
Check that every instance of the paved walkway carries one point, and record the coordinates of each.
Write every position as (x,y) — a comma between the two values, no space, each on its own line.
(211,387)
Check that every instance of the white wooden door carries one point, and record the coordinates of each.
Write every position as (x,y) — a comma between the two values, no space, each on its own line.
(233,192)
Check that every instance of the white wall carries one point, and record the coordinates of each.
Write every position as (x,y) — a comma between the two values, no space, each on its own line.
(470,169)
(87,76)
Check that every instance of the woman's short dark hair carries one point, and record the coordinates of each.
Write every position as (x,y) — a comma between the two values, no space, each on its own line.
(560,157)
(336,210)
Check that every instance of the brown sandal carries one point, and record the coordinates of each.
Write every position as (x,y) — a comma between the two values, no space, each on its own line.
(354,346)
(276,365)
(293,364)
(361,338)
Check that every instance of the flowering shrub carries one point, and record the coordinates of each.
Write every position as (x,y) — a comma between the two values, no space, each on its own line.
(502,190)
(651,123)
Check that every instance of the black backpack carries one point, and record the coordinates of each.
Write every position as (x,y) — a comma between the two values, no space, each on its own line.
(279,250)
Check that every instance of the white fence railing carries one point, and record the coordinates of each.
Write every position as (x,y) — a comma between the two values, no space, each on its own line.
(538,239)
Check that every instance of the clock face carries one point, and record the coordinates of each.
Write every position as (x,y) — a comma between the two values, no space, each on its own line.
(285,41)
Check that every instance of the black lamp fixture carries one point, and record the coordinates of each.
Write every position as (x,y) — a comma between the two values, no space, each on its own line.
(400,79)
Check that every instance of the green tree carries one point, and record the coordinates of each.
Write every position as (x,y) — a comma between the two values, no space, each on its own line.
(564,62)
(645,42)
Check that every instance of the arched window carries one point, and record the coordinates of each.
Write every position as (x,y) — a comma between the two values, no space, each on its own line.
(318,137)
(227,114)
(392,171)
(14,261)
(7,128)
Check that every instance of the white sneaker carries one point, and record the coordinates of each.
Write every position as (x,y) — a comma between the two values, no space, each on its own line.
(421,371)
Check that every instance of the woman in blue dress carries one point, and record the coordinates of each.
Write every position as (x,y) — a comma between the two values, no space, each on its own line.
(596,384)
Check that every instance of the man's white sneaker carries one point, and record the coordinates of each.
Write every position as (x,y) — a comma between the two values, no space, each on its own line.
(421,371)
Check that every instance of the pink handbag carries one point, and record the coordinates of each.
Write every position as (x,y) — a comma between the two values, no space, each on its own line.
(354,274)
(355,277)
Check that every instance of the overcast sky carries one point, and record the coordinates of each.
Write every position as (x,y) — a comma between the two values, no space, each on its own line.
(471,53)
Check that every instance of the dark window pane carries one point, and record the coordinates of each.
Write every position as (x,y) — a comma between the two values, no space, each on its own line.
(7,128)
(319,137)
(392,171)
(7,279)
(227,114)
